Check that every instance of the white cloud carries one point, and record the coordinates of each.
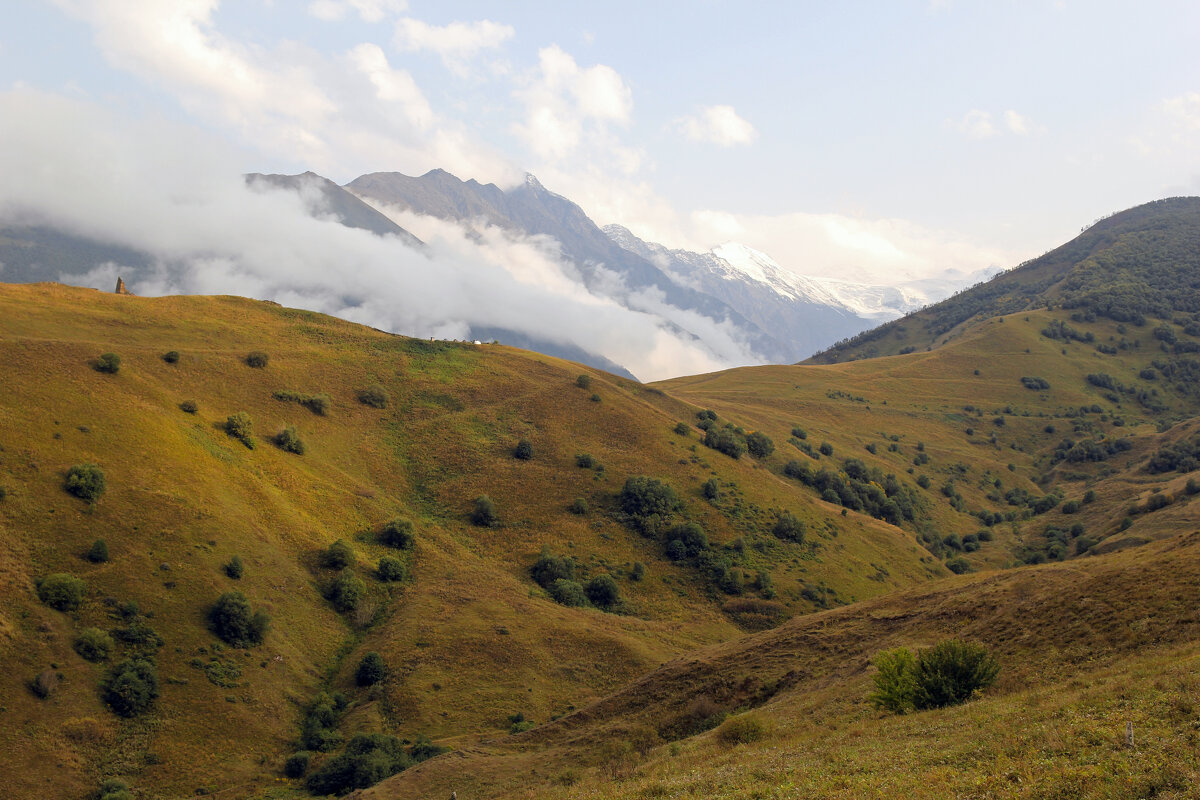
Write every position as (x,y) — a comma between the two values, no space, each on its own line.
(1017,124)
(456,43)
(565,102)
(979,124)
(368,10)
(392,85)
(719,125)
(1184,109)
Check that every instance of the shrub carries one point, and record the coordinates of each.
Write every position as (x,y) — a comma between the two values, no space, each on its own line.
(98,552)
(711,489)
(297,764)
(61,591)
(94,644)
(367,759)
(257,359)
(568,593)
(759,445)
(788,528)
(317,403)
(371,670)
(1071,507)
(726,440)
(289,441)
(923,481)
(131,686)
(895,680)
(391,569)
(346,591)
(578,506)
(742,729)
(171,356)
(484,515)
(826,449)
(85,481)
(240,427)
(800,433)
(602,591)
(234,568)
(595,398)
(108,362)
(338,555)
(397,533)
(958,565)
(188,407)
(113,789)
(950,672)
(584,381)
(374,396)
(524,450)
(231,620)
(550,568)
(643,497)
(682,429)
(638,572)
(585,461)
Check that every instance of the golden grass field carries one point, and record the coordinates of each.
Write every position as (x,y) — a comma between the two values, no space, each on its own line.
(471,639)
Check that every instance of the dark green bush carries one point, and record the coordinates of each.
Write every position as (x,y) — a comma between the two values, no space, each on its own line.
(638,572)
(946,674)
(113,789)
(568,593)
(826,449)
(374,396)
(726,440)
(682,429)
(958,565)
(579,506)
(397,533)
(523,450)
(742,729)
(391,569)
(584,382)
(108,362)
(788,528)
(171,356)
(585,461)
(643,497)
(131,686)
(232,620)
(257,359)
(188,407)
(800,433)
(484,515)
(595,398)
(98,552)
(240,427)
(94,644)
(317,403)
(759,444)
(602,591)
(367,759)
(346,591)
(895,680)
(85,481)
(289,441)
(338,555)
(234,568)
(550,568)
(317,732)
(371,670)
(297,764)
(711,489)
(61,591)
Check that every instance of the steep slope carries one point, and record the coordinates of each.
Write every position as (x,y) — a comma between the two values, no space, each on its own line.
(326,198)
(469,639)
(604,266)
(1139,263)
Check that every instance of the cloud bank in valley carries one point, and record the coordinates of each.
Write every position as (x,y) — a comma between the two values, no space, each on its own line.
(177,195)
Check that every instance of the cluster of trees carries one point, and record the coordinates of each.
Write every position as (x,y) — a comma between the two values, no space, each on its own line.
(1089,450)
(1180,456)
(556,574)
(860,488)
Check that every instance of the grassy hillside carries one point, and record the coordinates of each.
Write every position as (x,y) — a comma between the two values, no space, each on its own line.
(469,638)
(1137,264)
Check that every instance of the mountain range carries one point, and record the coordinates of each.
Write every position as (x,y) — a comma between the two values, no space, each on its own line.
(733,303)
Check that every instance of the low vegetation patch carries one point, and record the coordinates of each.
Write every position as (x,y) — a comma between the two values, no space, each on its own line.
(61,591)
(131,686)
(257,359)
(109,363)
(241,427)
(235,623)
(947,674)
(374,396)
(316,403)
(85,481)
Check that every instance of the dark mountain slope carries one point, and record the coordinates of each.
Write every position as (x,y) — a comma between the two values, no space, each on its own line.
(333,199)
(1137,264)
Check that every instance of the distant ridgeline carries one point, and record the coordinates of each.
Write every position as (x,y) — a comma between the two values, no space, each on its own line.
(1134,265)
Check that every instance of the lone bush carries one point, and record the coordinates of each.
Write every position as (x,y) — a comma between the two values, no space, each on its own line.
(257,359)
(644,497)
(234,568)
(759,444)
(682,429)
(233,622)
(484,514)
(585,461)
(240,427)
(338,555)
(711,489)
(742,729)
(568,593)
(108,362)
(297,764)
(171,356)
(346,591)
(113,789)
(131,686)
(602,591)
(397,533)
(98,552)
(374,396)
(584,382)
(947,674)
(61,591)
(788,528)
(85,481)
(371,670)
(578,506)
(523,450)
(188,407)
(391,569)
(289,441)
(94,644)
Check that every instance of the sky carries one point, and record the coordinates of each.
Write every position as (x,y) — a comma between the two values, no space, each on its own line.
(868,141)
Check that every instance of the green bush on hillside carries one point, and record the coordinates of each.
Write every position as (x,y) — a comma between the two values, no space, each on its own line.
(682,429)
(742,729)
(788,528)
(484,514)
(338,555)
(113,789)
(346,591)
(131,686)
(947,674)
(646,497)
(549,568)
(397,533)
(584,381)
(98,552)
(711,489)
(317,403)
(234,568)
(391,569)
(524,450)
(568,593)
(726,440)
(367,759)
(85,481)
(233,621)
(171,356)
(189,407)
(374,396)
(759,444)
(371,670)
(297,764)
(240,427)
(94,644)
(602,591)
(108,362)
(289,441)
(61,591)
(578,506)
(257,359)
